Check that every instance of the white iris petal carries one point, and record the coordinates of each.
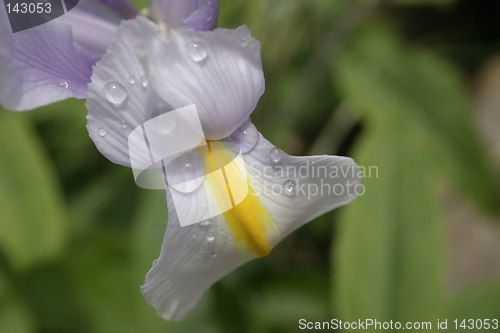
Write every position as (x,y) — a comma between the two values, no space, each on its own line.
(190,263)
(220,72)
(212,70)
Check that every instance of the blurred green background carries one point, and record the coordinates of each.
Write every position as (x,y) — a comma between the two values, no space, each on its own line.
(409,86)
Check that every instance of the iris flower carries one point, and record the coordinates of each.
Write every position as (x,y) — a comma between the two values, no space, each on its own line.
(133,71)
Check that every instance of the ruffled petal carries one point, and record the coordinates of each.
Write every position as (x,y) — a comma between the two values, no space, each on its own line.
(120,97)
(192,258)
(41,65)
(297,189)
(225,87)
(219,71)
(196,256)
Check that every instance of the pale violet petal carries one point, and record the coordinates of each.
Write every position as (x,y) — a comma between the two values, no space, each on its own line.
(219,71)
(124,8)
(93,24)
(196,256)
(205,17)
(41,65)
(297,189)
(173,12)
(192,258)
(111,118)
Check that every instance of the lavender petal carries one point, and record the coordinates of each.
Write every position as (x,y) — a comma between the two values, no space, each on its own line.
(41,65)
(205,17)
(194,14)
(93,24)
(124,8)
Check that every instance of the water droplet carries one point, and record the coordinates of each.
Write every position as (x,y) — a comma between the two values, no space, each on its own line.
(246,137)
(209,18)
(132,80)
(186,172)
(210,237)
(63,84)
(102,132)
(212,253)
(115,93)
(197,50)
(205,223)
(276,155)
(144,82)
(244,41)
(123,124)
(289,188)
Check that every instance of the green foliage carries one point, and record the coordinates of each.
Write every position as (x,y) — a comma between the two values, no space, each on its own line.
(382,77)
(391,251)
(477,301)
(398,272)
(77,236)
(28,236)
(422,2)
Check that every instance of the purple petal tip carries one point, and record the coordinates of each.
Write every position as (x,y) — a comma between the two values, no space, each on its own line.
(205,17)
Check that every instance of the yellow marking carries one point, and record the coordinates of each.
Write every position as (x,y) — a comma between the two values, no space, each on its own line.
(248,219)
(223,172)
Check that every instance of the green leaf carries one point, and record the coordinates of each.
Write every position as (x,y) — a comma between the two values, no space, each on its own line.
(422,2)
(390,253)
(389,256)
(140,4)
(14,315)
(32,222)
(479,301)
(381,76)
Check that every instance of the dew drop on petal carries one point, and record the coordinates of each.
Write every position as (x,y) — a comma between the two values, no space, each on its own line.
(102,132)
(132,80)
(210,237)
(213,254)
(289,188)
(63,84)
(144,82)
(246,137)
(275,155)
(196,50)
(186,172)
(115,93)
(244,41)
(123,124)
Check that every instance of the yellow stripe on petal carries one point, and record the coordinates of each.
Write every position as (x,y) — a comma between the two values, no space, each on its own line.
(248,219)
